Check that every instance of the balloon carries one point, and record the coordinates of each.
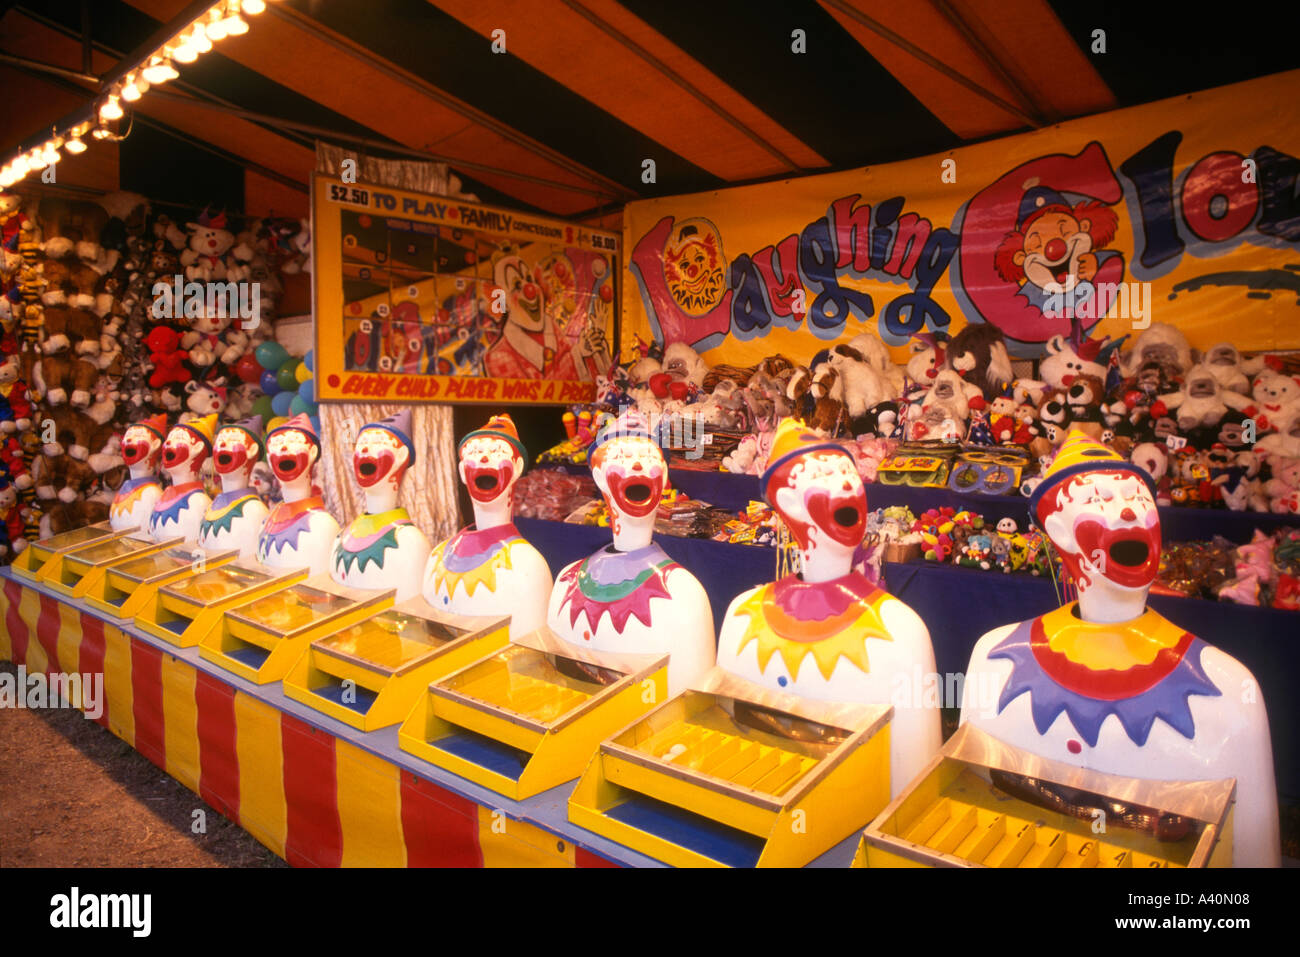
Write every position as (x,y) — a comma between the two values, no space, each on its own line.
(262,407)
(285,378)
(297,405)
(269,383)
(302,373)
(276,422)
(308,390)
(315,422)
(309,360)
(270,355)
(280,402)
(247,368)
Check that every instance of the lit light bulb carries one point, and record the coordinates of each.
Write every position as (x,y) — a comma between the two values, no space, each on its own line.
(185,51)
(112,109)
(20,167)
(51,154)
(217,27)
(36,159)
(159,70)
(6,177)
(75,145)
(200,39)
(237,26)
(253,7)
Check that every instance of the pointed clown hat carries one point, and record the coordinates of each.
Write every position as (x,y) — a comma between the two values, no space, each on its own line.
(299,422)
(253,426)
(397,425)
(205,428)
(157,424)
(500,426)
(630,424)
(792,440)
(1079,454)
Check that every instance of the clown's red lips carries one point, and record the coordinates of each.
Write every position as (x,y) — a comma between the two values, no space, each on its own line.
(230,460)
(841,515)
(636,494)
(372,466)
(133,452)
(289,466)
(485,484)
(174,455)
(1131,554)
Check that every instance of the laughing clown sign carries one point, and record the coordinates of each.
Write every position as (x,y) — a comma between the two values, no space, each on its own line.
(1182,211)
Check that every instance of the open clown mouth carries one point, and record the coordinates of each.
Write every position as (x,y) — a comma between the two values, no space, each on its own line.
(842,516)
(289,466)
(1128,556)
(486,483)
(131,454)
(371,467)
(636,494)
(173,456)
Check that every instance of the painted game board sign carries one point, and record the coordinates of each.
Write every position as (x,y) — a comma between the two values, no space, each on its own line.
(421,298)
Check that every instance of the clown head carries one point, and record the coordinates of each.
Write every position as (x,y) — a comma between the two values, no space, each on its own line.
(236,449)
(1054,243)
(1100,513)
(491,461)
(816,489)
(381,455)
(292,448)
(142,444)
(525,304)
(187,447)
(630,471)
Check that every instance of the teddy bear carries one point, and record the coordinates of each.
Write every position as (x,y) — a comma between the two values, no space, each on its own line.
(105,446)
(62,477)
(811,400)
(66,516)
(1284,440)
(208,242)
(13,462)
(15,406)
(62,379)
(213,337)
(166,356)
(68,282)
(978,353)
(1153,459)
(876,354)
(1283,489)
(75,331)
(1272,396)
(204,398)
(926,360)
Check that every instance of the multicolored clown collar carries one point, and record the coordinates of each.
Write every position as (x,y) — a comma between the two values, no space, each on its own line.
(368,537)
(827,620)
(1137,670)
(131,491)
(472,558)
(225,510)
(616,583)
(287,521)
(174,501)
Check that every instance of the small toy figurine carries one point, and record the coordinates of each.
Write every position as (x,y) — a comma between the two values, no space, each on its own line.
(489,568)
(630,597)
(298,532)
(236,516)
(382,548)
(181,508)
(1109,684)
(133,504)
(827,633)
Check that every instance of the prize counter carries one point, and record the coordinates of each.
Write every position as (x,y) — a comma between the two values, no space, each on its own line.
(315,790)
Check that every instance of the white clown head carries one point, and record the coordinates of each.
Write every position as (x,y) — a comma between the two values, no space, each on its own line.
(142,444)
(187,447)
(381,455)
(1100,513)
(292,449)
(235,452)
(491,460)
(815,487)
(630,471)
(525,303)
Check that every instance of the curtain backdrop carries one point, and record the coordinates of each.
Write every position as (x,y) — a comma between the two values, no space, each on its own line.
(429,490)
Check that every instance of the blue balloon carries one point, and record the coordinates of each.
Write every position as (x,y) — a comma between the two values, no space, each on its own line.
(309,360)
(315,422)
(281,401)
(308,390)
(268,383)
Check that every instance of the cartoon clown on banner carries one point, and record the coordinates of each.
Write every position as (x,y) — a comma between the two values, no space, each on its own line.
(181,508)
(489,568)
(1107,683)
(827,633)
(135,498)
(382,548)
(298,533)
(630,597)
(235,517)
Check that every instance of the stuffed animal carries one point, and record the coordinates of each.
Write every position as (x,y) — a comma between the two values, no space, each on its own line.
(927,358)
(1272,397)
(13,394)
(74,331)
(1283,489)
(978,353)
(1284,440)
(213,337)
(944,409)
(876,354)
(204,258)
(1201,403)
(859,382)
(1160,343)
(62,379)
(167,357)
(1230,368)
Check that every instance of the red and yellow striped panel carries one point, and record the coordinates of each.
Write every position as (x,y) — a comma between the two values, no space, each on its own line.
(180,721)
(314,834)
(440,827)
(118,692)
(369,807)
(260,755)
(146,702)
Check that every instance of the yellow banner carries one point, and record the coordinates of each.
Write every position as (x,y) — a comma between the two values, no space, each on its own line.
(1183,211)
(421,298)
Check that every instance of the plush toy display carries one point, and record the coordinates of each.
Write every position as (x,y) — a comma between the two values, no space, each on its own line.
(382,548)
(299,532)
(978,353)
(1107,683)
(236,515)
(180,509)
(827,633)
(489,568)
(631,597)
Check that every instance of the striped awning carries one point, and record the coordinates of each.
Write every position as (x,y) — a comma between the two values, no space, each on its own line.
(714,92)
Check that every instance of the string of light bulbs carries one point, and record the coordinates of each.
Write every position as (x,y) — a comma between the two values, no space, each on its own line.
(223,19)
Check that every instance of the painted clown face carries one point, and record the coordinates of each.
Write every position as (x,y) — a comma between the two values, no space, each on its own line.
(184,449)
(524,301)
(140,446)
(1054,245)
(377,457)
(489,467)
(233,451)
(630,473)
(291,453)
(1106,527)
(822,500)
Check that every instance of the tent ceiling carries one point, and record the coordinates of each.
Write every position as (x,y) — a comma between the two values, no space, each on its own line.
(589,89)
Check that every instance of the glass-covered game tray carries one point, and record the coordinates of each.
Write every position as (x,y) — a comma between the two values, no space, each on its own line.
(217,584)
(32,562)
(295,608)
(113,550)
(392,640)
